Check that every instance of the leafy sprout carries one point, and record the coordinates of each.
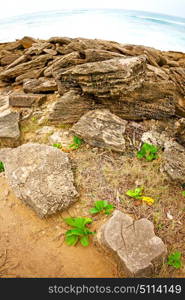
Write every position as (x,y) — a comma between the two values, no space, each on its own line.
(1,167)
(102,206)
(174,260)
(147,151)
(79,231)
(77,142)
(136,193)
(59,146)
(183,193)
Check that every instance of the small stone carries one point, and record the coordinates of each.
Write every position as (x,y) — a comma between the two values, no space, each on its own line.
(134,244)
(9,127)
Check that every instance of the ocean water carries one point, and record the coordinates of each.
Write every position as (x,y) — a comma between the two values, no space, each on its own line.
(131,27)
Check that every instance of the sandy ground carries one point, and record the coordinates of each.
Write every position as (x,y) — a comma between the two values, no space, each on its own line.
(33,247)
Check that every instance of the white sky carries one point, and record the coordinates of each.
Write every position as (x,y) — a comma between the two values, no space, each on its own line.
(18,7)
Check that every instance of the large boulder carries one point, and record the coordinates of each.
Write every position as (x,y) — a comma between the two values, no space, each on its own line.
(41,176)
(101,128)
(110,78)
(127,86)
(133,243)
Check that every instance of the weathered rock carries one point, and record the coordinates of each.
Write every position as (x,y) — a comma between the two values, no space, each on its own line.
(62,137)
(106,79)
(41,176)
(134,244)
(63,62)
(26,100)
(45,130)
(37,63)
(4,102)
(40,85)
(155,138)
(38,48)
(9,127)
(126,86)
(70,107)
(80,44)
(8,59)
(100,128)
(27,41)
(174,161)
(28,75)
(60,40)
(180,131)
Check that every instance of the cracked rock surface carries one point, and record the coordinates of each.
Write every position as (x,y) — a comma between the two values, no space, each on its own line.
(41,176)
(133,243)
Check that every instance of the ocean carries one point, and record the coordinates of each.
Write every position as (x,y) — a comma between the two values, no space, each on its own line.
(125,26)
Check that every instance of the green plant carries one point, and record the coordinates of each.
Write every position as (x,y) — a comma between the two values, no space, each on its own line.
(77,142)
(174,260)
(148,152)
(1,167)
(59,146)
(183,193)
(79,231)
(137,193)
(102,206)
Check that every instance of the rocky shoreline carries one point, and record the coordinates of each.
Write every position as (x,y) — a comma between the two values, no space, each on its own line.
(112,96)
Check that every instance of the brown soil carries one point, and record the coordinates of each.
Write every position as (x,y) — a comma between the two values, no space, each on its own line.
(33,247)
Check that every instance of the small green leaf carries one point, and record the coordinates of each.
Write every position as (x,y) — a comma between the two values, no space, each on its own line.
(57,146)
(101,204)
(1,167)
(183,193)
(75,231)
(84,241)
(71,240)
(137,193)
(70,221)
(174,260)
(94,210)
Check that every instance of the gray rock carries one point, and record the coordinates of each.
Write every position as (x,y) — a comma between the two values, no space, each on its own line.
(45,130)
(174,161)
(26,100)
(61,137)
(133,243)
(41,176)
(40,85)
(180,131)
(9,127)
(155,138)
(4,102)
(69,108)
(37,63)
(101,128)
